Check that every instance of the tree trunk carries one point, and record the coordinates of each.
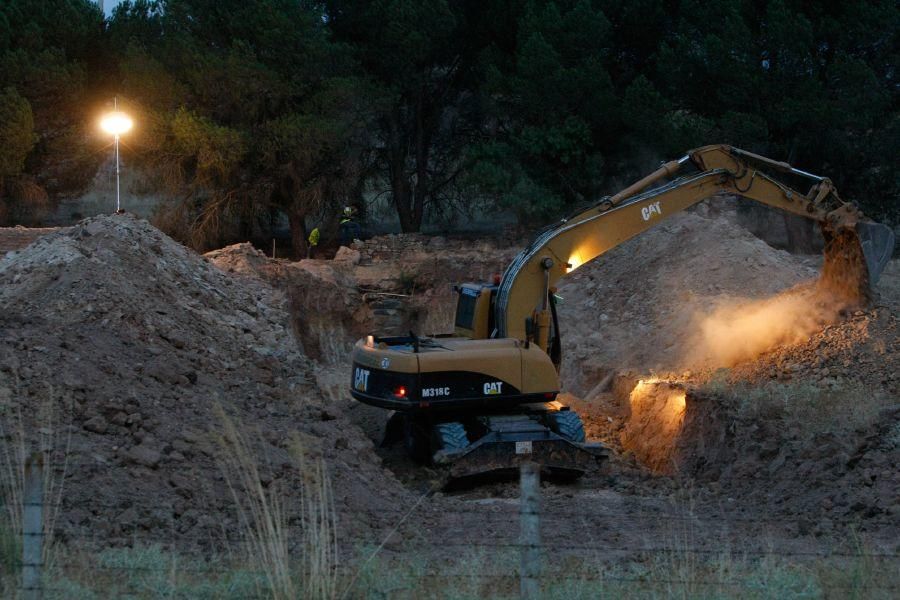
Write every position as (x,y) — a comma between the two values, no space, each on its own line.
(423,148)
(408,200)
(359,199)
(298,234)
(402,193)
(403,201)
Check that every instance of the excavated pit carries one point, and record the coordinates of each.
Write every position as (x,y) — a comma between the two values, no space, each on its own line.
(789,450)
(656,415)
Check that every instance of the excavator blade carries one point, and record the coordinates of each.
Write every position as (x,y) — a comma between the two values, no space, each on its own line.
(854,260)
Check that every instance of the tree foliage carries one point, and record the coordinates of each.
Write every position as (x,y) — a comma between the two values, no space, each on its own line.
(51,52)
(249,107)
(594,93)
(420,61)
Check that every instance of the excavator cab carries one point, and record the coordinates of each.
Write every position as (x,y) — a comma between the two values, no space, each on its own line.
(475,310)
(476,319)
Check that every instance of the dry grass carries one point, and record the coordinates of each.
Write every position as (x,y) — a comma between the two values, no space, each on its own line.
(264,518)
(319,543)
(261,510)
(46,434)
(812,408)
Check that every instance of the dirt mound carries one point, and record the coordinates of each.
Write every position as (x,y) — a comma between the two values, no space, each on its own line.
(785,457)
(387,285)
(241,259)
(131,342)
(637,307)
(862,350)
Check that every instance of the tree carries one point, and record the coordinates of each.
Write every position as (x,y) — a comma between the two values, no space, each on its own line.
(808,82)
(16,133)
(50,57)
(554,110)
(421,61)
(16,141)
(251,108)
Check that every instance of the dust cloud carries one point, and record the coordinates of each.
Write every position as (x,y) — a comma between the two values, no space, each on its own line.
(740,329)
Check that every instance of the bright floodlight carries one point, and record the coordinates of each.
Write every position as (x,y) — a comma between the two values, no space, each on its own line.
(116,123)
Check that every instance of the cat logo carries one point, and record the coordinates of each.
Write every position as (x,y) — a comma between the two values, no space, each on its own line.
(650,210)
(493,388)
(360,379)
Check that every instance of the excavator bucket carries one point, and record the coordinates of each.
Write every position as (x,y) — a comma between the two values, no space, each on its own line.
(877,243)
(855,258)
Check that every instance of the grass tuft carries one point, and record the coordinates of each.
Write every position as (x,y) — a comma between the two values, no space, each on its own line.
(264,519)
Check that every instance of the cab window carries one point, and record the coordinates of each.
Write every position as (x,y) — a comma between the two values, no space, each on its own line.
(465,308)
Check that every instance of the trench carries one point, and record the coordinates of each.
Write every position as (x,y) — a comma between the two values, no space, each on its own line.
(670,428)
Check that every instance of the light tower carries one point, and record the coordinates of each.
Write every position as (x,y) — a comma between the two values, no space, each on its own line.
(116,123)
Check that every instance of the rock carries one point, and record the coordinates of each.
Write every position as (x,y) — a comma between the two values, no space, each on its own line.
(143,454)
(182,483)
(163,370)
(181,446)
(347,256)
(128,517)
(96,424)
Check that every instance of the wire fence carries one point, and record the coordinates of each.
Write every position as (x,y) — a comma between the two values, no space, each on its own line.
(443,557)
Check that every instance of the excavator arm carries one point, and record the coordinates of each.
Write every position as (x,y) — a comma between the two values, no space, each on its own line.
(857,249)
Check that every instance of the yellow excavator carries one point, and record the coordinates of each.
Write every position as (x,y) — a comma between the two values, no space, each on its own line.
(484,397)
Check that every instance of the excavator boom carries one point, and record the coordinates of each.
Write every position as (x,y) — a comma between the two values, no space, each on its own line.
(857,249)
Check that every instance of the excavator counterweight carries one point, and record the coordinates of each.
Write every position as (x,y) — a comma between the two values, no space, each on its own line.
(487,395)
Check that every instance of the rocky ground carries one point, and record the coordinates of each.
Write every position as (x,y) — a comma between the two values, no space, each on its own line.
(135,341)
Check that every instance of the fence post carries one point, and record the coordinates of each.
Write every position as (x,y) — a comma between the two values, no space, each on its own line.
(529,513)
(32,527)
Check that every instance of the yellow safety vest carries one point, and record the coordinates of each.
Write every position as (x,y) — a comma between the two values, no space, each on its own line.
(314,237)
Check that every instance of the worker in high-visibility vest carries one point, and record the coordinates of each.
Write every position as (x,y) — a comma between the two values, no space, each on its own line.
(349,229)
(313,241)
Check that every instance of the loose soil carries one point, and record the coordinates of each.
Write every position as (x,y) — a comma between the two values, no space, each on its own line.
(136,342)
